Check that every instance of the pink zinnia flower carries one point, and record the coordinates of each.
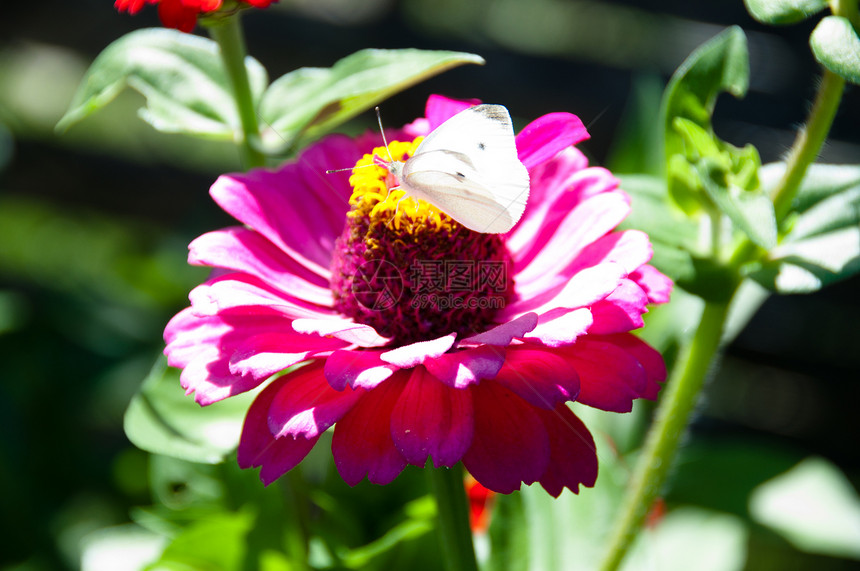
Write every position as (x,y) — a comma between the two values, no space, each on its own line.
(422,339)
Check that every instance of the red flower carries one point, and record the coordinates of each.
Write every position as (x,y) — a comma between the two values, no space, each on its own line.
(480,504)
(181,14)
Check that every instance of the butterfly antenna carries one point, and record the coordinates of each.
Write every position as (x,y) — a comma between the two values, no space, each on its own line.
(382,132)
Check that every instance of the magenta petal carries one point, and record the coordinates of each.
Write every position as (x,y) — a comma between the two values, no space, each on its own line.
(582,290)
(463,368)
(510,445)
(257,446)
(204,348)
(306,405)
(356,369)
(362,444)
(414,354)
(440,108)
(546,136)
(341,328)
(277,203)
(502,335)
(573,457)
(610,378)
(629,248)
(563,330)
(538,376)
(247,251)
(656,285)
(620,311)
(650,359)
(431,419)
(237,290)
(263,355)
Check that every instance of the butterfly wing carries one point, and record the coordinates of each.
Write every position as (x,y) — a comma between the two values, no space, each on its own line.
(477,143)
(450,181)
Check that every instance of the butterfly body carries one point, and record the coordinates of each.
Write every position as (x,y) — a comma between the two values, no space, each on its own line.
(469,169)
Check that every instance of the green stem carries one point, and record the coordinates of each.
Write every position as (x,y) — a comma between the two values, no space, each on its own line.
(808,143)
(227,32)
(673,414)
(453,516)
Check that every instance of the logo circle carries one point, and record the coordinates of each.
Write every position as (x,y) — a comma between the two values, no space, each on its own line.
(377,285)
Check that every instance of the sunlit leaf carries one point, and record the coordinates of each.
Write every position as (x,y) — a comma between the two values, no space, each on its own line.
(310,101)
(163,420)
(823,243)
(783,11)
(720,65)
(126,546)
(690,538)
(837,47)
(813,506)
(180,75)
(216,543)
(749,210)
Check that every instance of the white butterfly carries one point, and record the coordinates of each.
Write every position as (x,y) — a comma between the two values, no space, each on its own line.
(468,168)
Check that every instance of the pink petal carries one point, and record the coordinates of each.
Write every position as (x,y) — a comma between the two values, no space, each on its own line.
(260,356)
(357,369)
(546,136)
(432,420)
(582,290)
(510,445)
(463,368)
(620,311)
(247,251)
(362,444)
(648,357)
(306,405)
(610,378)
(556,187)
(341,328)
(562,330)
(277,203)
(204,347)
(573,457)
(656,285)
(414,354)
(560,246)
(502,335)
(237,290)
(257,446)
(440,108)
(538,376)
(630,248)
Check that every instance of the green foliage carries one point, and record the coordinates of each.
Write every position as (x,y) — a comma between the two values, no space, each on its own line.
(163,420)
(821,244)
(814,507)
(783,11)
(308,102)
(836,46)
(187,91)
(214,544)
(181,76)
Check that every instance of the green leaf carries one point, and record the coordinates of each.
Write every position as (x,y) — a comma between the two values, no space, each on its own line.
(814,507)
(720,65)
(161,419)
(836,46)
(822,245)
(311,101)
(216,544)
(750,210)
(783,11)
(180,75)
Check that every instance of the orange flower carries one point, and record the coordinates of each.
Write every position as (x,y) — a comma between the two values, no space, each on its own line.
(181,14)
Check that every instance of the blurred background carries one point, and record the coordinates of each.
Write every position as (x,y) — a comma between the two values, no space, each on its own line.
(94,225)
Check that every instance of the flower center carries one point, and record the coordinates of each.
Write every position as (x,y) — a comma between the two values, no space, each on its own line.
(409,270)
